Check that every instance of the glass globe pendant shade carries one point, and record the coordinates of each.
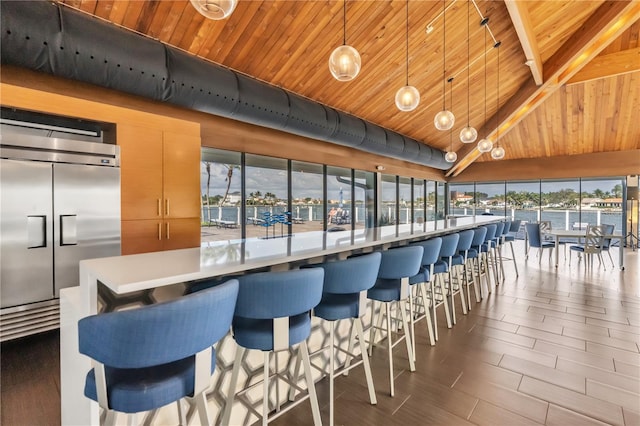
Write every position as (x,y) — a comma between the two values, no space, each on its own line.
(450,157)
(407,98)
(468,135)
(485,145)
(344,63)
(444,120)
(497,153)
(215,9)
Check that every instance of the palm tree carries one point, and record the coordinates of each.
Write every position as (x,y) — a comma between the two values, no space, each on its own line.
(617,191)
(230,168)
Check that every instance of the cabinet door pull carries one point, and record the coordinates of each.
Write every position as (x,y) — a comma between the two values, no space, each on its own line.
(166,207)
(159,207)
(168,235)
(159,231)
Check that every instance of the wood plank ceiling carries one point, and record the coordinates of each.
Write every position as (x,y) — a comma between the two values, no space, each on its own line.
(288,43)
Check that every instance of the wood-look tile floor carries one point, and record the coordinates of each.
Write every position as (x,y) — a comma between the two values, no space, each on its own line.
(555,347)
(547,347)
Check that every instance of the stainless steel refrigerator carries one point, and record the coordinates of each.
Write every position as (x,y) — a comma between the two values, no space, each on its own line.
(59,204)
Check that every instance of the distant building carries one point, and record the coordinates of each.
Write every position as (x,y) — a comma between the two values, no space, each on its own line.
(234,197)
(610,203)
(590,202)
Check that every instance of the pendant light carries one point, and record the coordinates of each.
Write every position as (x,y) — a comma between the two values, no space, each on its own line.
(498,152)
(468,134)
(451,156)
(215,9)
(344,62)
(485,145)
(407,97)
(444,120)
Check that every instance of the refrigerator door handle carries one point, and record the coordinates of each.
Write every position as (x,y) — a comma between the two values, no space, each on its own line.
(68,230)
(37,231)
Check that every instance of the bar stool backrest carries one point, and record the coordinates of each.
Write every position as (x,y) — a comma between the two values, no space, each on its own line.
(608,231)
(351,275)
(431,250)
(491,232)
(449,245)
(268,295)
(479,235)
(400,262)
(161,333)
(507,228)
(499,229)
(464,242)
(515,225)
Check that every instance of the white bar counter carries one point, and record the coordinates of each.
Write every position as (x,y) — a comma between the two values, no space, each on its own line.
(126,274)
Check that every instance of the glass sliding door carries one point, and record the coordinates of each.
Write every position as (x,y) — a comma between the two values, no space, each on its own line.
(267,195)
(307,212)
(221,198)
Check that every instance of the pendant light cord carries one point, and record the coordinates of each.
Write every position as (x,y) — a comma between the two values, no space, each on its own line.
(444,54)
(344,22)
(468,65)
(485,75)
(498,98)
(407,37)
(451,102)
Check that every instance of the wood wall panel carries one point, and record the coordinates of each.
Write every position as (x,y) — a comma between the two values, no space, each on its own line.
(181,180)
(570,166)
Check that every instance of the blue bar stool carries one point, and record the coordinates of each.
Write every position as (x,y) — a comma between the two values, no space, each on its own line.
(443,272)
(344,296)
(392,285)
(487,250)
(149,357)
(497,252)
(431,253)
(478,269)
(462,284)
(509,236)
(273,314)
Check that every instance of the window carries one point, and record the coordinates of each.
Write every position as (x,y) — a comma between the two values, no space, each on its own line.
(338,212)
(431,200)
(364,195)
(220,184)
(440,200)
(307,197)
(267,196)
(389,201)
(404,200)
(461,199)
(490,198)
(601,202)
(523,200)
(560,203)
(419,211)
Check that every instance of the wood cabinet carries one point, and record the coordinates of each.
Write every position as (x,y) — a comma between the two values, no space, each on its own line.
(160,173)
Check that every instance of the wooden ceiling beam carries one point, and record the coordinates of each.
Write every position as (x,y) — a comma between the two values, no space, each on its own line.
(609,65)
(519,14)
(603,26)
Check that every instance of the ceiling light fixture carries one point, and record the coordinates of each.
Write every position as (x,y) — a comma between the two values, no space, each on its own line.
(407,97)
(498,152)
(444,120)
(468,134)
(215,9)
(451,156)
(344,62)
(485,145)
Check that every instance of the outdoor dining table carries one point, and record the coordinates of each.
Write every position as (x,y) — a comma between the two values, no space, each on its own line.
(582,233)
